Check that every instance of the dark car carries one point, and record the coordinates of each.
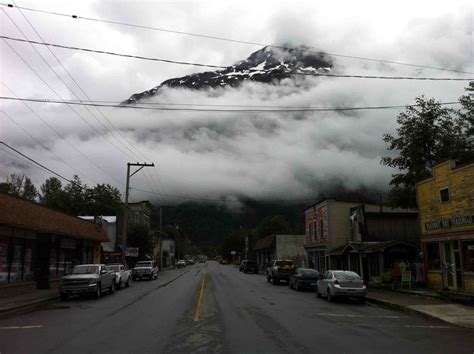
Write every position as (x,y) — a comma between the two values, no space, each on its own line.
(280,270)
(242,265)
(304,278)
(250,267)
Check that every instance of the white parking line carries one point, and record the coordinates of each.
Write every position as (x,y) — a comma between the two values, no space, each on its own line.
(350,315)
(20,327)
(392,326)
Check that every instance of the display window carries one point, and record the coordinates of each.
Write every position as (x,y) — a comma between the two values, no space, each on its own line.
(4,248)
(468,255)
(433,256)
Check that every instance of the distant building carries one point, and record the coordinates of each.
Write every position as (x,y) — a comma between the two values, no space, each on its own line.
(138,213)
(365,238)
(446,204)
(110,252)
(279,247)
(38,244)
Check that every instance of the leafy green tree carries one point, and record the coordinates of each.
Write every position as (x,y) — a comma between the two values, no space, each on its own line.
(466,112)
(20,185)
(427,134)
(272,225)
(103,199)
(139,235)
(52,194)
(75,197)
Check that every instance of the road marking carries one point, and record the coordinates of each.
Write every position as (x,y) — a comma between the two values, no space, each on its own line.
(350,315)
(392,326)
(20,327)
(197,314)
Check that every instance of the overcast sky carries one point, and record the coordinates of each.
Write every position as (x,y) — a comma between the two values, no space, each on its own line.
(214,155)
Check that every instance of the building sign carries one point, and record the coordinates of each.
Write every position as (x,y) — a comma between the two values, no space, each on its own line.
(131,252)
(233,253)
(68,243)
(453,222)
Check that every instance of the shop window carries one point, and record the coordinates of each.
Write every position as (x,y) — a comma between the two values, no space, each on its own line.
(315,233)
(444,195)
(4,243)
(468,253)
(53,263)
(28,269)
(310,231)
(321,229)
(432,256)
(16,266)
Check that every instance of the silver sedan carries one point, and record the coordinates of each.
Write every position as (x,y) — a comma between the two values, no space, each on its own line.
(341,283)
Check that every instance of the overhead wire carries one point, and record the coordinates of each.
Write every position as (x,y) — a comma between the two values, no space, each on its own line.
(65,84)
(78,17)
(308,109)
(249,70)
(46,148)
(114,128)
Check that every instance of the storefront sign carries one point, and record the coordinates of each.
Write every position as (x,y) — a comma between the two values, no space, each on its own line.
(68,243)
(131,252)
(453,222)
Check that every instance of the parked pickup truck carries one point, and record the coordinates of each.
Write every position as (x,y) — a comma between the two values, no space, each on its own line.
(123,275)
(145,269)
(279,270)
(87,279)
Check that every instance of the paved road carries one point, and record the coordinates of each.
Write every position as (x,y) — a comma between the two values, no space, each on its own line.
(211,308)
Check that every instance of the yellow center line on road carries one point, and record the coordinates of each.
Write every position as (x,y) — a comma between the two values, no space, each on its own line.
(197,314)
(20,327)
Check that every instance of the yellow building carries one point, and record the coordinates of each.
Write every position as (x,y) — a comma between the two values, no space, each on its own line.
(446,205)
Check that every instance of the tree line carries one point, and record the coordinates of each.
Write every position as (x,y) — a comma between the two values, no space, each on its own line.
(74,198)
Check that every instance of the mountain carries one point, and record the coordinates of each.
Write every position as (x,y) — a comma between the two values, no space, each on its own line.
(267,65)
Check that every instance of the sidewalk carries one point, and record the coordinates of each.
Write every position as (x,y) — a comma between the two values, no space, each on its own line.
(428,305)
(26,301)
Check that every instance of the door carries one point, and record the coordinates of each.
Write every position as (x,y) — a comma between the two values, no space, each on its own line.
(449,267)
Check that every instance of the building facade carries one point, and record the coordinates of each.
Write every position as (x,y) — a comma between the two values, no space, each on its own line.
(280,247)
(38,245)
(446,204)
(110,253)
(368,239)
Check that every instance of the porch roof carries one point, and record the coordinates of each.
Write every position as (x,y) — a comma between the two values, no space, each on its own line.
(368,247)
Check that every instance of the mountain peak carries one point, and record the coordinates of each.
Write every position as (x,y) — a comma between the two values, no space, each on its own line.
(267,65)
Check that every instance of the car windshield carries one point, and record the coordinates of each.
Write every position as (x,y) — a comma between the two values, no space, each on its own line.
(309,272)
(143,264)
(284,263)
(115,268)
(346,275)
(85,270)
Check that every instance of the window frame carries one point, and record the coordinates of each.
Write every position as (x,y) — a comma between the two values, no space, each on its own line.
(441,195)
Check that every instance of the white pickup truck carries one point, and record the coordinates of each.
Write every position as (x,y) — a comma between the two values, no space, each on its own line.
(123,276)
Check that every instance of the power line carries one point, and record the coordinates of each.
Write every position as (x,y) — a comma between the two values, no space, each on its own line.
(46,148)
(60,79)
(80,88)
(36,162)
(233,40)
(225,67)
(60,135)
(308,109)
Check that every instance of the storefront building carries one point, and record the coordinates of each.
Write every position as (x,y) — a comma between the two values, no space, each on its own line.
(327,227)
(274,247)
(446,205)
(38,245)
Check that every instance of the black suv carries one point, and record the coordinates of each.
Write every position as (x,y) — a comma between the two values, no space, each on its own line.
(247,266)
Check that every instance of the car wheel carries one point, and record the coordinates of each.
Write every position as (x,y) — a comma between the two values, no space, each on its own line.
(268,278)
(296,286)
(275,281)
(127,283)
(330,298)
(97,291)
(112,287)
(63,296)
(119,284)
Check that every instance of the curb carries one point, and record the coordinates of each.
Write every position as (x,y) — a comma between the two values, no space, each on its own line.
(6,312)
(392,305)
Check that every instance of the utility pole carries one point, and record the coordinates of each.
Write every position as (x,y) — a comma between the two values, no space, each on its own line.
(125,211)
